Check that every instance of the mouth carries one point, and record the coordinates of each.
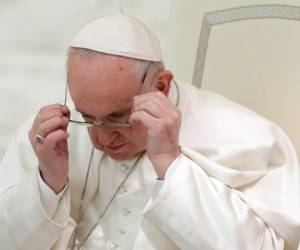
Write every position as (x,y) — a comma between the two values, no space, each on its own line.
(115,148)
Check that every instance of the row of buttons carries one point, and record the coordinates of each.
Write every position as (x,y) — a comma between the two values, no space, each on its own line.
(124,211)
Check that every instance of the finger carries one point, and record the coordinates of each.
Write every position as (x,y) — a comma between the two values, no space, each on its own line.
(52,124)
(156,107)
(145,118)
(152,95)
(150,107)
(46,114)
(154,125)
(156,97)
(52,139)
(54,106)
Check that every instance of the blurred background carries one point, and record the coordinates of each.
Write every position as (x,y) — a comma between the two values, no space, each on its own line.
(247,51)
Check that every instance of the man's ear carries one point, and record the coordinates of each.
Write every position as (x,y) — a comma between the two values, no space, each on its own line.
(163,81)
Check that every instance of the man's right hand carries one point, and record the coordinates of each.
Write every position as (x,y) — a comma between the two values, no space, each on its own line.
(51,123)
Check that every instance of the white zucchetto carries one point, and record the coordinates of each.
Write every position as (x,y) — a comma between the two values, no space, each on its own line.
(119,35)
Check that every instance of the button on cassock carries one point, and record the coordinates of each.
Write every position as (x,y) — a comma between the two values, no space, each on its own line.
(121,231)
(113,246)
(125,211)
(124,168)
(123,190)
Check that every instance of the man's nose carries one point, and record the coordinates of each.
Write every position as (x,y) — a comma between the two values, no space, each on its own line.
(106,135)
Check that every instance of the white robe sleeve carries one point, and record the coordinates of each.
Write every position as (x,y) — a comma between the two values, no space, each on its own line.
(24,223)
(49,199)
(199,212)
(237,184)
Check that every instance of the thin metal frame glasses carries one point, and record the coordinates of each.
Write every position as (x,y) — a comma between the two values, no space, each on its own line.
(107,124)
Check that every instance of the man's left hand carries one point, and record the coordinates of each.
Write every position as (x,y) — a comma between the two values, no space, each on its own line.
(162,119)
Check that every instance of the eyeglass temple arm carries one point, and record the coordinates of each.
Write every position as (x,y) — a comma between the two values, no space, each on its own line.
(66,93)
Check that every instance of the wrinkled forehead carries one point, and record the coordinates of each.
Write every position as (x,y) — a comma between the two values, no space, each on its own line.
(94,58)
(100,80)
(83,62)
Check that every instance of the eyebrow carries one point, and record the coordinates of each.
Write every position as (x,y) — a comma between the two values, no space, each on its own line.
(84,114)
(91,116)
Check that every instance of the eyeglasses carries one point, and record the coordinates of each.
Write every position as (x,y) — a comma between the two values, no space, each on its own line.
(115,120)
(111,121)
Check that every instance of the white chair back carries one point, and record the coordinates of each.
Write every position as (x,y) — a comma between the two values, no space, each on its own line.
(248,51)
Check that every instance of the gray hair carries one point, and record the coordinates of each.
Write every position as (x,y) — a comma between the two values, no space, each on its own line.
(139,68)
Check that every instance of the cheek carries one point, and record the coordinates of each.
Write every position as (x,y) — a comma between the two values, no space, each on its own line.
(93,135)
(124,135)
(137,135)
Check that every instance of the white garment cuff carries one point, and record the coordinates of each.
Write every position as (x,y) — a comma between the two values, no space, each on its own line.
(171,169)
(49,198)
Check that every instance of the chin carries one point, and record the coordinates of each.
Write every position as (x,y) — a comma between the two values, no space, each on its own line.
(120,157)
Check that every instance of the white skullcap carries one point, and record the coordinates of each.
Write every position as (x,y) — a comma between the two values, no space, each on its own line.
(119,35)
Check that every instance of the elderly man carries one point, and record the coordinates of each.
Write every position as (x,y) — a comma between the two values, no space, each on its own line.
(161,165)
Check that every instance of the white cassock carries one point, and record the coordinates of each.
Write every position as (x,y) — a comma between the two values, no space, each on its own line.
(235,186)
